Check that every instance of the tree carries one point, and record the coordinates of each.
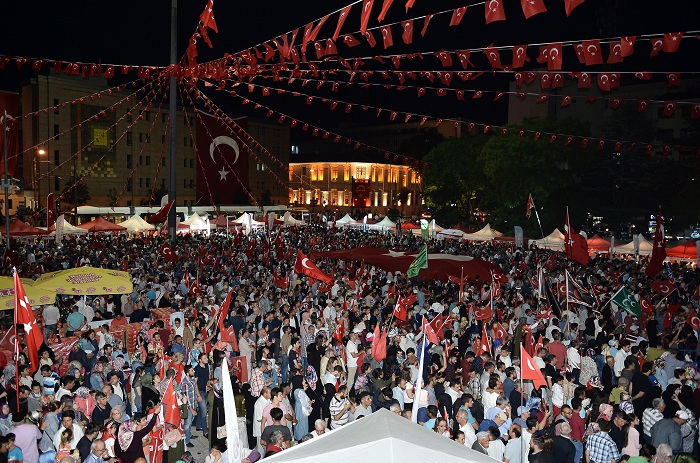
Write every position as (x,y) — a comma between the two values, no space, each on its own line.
(516,166)
(421,144)
(75,192)
(113,197)
(453,181)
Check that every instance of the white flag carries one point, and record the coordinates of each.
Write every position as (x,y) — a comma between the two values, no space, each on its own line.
(60,225)
(419,382)
(233,440)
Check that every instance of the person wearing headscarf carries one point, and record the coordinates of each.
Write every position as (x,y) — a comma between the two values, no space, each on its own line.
(84,401)
(588,367)
(148,391)
(217,415)
(130,439)
(302,406)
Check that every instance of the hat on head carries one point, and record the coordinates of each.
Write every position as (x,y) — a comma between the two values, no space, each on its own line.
(502,416)
(522,409)
(682,414)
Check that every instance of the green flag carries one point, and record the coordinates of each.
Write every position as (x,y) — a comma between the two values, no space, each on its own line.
(424,229)
(627,301)
(420,262)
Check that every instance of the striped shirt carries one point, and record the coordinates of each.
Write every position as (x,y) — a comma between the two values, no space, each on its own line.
(650,417)
(336,406)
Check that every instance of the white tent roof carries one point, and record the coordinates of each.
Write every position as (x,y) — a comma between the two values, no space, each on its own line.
(554,241)
(382,224)
(194,218)
(451,233)
(485,234)
(136,224)
(290,221)
(645,247)
(382,437)
(69,229)
(346,219)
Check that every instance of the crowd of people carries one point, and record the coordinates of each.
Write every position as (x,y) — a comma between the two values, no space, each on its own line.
(306,357)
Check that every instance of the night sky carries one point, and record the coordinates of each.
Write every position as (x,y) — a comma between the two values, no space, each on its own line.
(137,33)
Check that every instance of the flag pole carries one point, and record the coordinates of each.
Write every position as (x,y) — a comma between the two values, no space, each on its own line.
(567,290)
(5,180)
(522,399)
(538,221)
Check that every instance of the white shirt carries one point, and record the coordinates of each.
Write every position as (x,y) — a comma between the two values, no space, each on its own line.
(469,434)
(620,357)
(351,348)
(496,449)
(573,358)
(77,435)
(51,314)
(260,406)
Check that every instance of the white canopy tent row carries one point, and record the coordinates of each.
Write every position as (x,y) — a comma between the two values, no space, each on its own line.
(135,224)
(485,234)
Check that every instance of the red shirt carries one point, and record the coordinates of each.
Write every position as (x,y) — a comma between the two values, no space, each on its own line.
(578,427)
(558,349)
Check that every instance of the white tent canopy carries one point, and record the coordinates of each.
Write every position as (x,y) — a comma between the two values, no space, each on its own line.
(382,225)
(290,221)
(485,234)
(451,233)
(554,241)
(136,224)
(346,219)
(69,229)
(645,247)
(380,437)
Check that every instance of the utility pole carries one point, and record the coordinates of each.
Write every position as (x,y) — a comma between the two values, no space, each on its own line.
(5,180)
(172,190)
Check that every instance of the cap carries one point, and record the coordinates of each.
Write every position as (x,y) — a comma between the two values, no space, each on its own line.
(682,414)
(502,416)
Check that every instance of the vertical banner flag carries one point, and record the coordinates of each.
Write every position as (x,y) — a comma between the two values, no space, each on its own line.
(575,244)
(529,207)
(518,236)
(233,440)
(424,225)
(419,263)
(25,317)
(221,165)
(658,254)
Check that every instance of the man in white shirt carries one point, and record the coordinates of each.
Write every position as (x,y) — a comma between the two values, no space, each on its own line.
(462,418)
(364,405)
(67,422)
(51,315)
(259,409)
(620,357)
(351,349)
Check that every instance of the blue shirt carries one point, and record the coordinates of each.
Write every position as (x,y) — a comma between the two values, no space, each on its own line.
(75,319)
(178,348)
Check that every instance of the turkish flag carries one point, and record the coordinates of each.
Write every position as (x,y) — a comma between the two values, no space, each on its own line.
(693,320)
(304,266)
(658,253)
(386,36)
(364,17)
(457,16)
(663,287)
(282,282)
(493,56)
(162,214)
(669,108)
(227,335)
(499,332)
(494,11)
(615,55)
(532,7)
(341,20)
(463,56)
(627,46)
(484,344)
(530,205)
(485,313)
(592,53)
(25,317)
(529,370)
(429,332)
(407,35)
(519,56)
(646,306)
(222,170)
(569,5)
(438,324)
(167,252)
(672,41)
(379,344)
(445,58)
(385,9)
(171,410)
(339,332)
(400,310)
(575,244)
(239,367)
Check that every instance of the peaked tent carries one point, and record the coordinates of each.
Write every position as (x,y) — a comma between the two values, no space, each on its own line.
(68,229)
(645,247)
(136,224)
(383,224)
(554,241)
(346,219)
(383,437)
(598,244)
(100,225)
(687,250)
(485,234)
(451,233)
(19,228)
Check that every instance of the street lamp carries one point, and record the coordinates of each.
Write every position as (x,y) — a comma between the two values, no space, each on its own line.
(37,172)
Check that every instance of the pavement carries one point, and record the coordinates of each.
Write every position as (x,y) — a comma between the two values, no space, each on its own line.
(201,446)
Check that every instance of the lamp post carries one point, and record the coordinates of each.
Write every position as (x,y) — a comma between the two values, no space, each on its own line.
(37,173)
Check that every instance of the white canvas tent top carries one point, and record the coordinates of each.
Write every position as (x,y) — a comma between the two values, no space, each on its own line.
(645,247)
(485,234)
(69,229)
(290,221)
(380,437)
(196,223)
(554,241)
(344,221)
(451,233)
(382,224)
(135,224)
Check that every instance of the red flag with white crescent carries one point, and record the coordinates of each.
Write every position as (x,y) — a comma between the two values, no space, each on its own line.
(693,320)
(529,370)
(663,287)
(429,332)
(646,306)
(339,332)
(25,317)
(484,344)
(171,410)
(304,266)
(167,252)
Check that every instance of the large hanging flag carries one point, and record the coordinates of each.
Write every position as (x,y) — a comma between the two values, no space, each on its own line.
(577,294)
(162,214)
(425,229)
(171,410)
(25,317)
(575,244)
(419,382)
(625,300)
(658,253)
(227,334)
(485,344)
(529,370)
(304,266)
(419,263)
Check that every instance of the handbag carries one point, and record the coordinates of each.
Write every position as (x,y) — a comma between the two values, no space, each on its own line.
(172,437)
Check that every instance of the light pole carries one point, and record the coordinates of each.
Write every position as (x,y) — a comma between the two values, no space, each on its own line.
(37,173)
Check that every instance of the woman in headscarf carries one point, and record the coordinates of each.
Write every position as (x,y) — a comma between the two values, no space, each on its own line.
(97,377)
(148,392)
(302,406)
(249,412)
(670,396)
(588,367)
(130,439)
(84,401)
(217,416)
(690,427)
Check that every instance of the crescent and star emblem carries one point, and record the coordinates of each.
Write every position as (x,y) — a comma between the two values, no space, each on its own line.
(492,7)
(224,140)
(592,49)
(303,263)
(664,289)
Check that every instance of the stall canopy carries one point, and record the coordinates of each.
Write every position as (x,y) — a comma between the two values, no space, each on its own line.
(37,296)
(451,233)
(440,266)
(554,241)
(100,225)
(19,228)
(382,437)
(598,244)
(346,219)
(68,229)
(289,221)
(485,234)
(645,246)
(383,224)
(687,250)
(85,281)
(409,226)
(136,224)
